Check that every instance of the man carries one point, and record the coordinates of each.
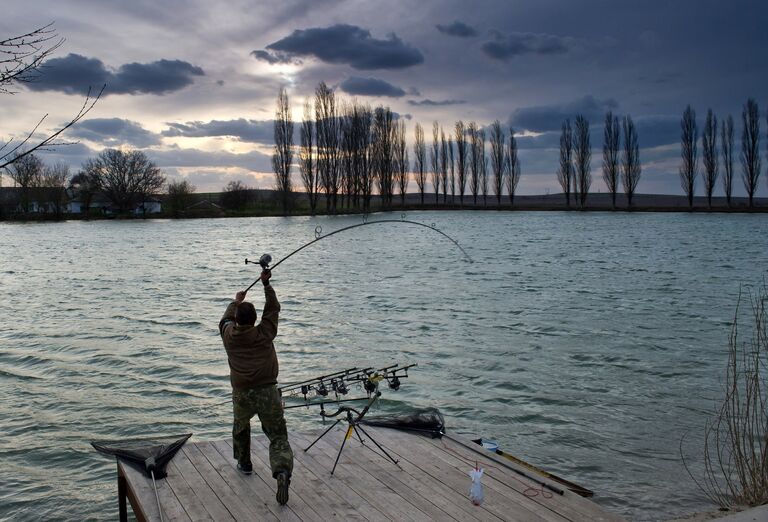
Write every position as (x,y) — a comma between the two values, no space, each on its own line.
(253,373)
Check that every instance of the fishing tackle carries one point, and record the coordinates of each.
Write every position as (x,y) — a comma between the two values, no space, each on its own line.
(266,259)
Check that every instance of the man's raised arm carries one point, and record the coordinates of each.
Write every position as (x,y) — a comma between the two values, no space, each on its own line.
(229,314)
(271,311)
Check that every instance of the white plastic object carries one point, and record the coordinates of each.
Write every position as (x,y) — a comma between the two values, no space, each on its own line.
(476,490)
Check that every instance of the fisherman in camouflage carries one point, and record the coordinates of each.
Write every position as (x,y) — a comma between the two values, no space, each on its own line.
(253,373)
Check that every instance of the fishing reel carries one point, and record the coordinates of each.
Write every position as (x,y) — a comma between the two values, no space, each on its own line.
(264,261)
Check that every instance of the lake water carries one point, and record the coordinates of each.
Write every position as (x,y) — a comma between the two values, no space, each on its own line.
(586,343)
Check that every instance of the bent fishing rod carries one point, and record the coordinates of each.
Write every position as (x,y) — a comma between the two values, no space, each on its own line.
(266,259)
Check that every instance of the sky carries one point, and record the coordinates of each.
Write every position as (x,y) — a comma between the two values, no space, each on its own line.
(193,83)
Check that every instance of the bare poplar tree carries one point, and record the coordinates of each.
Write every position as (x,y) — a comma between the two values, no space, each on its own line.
(179,196)
(419,158)
(444,165)
(565,172)
(401,160)
(282,157)
(726,142)
(582,158)
(84,186)
(709,155)
(383,153)
(497,159)
(461,159)
(474,161)
(434,160)
(328,138)
(364,154)
(689,137)
(53,187)
(307,163)
(512,168)
(453,170)
(483,166)
(750,148)
(630,164)
(611,155)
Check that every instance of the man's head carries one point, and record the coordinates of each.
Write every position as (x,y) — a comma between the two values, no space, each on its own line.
(245,314)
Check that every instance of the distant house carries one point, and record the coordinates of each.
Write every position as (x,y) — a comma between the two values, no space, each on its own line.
(101,205)
(148,206)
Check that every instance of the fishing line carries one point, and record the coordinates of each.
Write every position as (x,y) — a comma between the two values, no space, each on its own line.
(266,259)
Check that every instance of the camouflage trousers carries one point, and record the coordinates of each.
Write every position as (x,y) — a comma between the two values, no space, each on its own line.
(264,402)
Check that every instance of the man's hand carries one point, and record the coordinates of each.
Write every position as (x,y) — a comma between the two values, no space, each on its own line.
(265,275)
(240,296)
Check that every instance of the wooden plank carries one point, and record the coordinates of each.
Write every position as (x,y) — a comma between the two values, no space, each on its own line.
(384,471)
(238,483)
(413,478)
(322,476)
(569,504)
(218,485)
(257,485)
(312,488)
(144,503)
(297,503)
(210,501)
(501,500)
(378,494)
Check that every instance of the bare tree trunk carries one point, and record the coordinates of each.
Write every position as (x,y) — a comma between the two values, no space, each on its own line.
(444,165)
(461,158)
(434,160)
(483,167)
(512,167)
(282,157)
(401,160)
(726,142)
(453,170)
(419,158)
(611,155)
(582,157)
(565,172)
(497,159)
(474,161)
(383,153)
(328,137)
(688,142)
(750,148)
(307,164)
(630,165)
(709,155)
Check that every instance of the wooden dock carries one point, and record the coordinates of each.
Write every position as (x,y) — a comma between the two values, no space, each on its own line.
(431,483)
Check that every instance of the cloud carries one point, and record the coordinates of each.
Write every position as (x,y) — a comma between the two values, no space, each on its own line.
(242,129)
(506,46)
(275,57)
(435,103)
(457,28)
(550,117)
(74,74)
(370,87)
(113,132)
(343,44)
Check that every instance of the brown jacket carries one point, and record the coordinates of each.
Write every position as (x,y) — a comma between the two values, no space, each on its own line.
(250,351)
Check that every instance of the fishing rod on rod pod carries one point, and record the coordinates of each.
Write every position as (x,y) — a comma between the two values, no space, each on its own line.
(266,259)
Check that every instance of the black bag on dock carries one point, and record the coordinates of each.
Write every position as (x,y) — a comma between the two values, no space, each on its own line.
(428,421)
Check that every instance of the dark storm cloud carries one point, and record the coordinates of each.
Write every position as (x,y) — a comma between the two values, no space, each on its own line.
(370,87)
(74,73)
(435,103)
(457,28)
(275,57)
(506,46)
(112,132)
(550,117)
(242,129)
(343,44)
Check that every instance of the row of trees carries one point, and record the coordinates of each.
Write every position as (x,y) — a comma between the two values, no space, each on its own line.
(346,149)
(749,158)
(125,179)
(621,159)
